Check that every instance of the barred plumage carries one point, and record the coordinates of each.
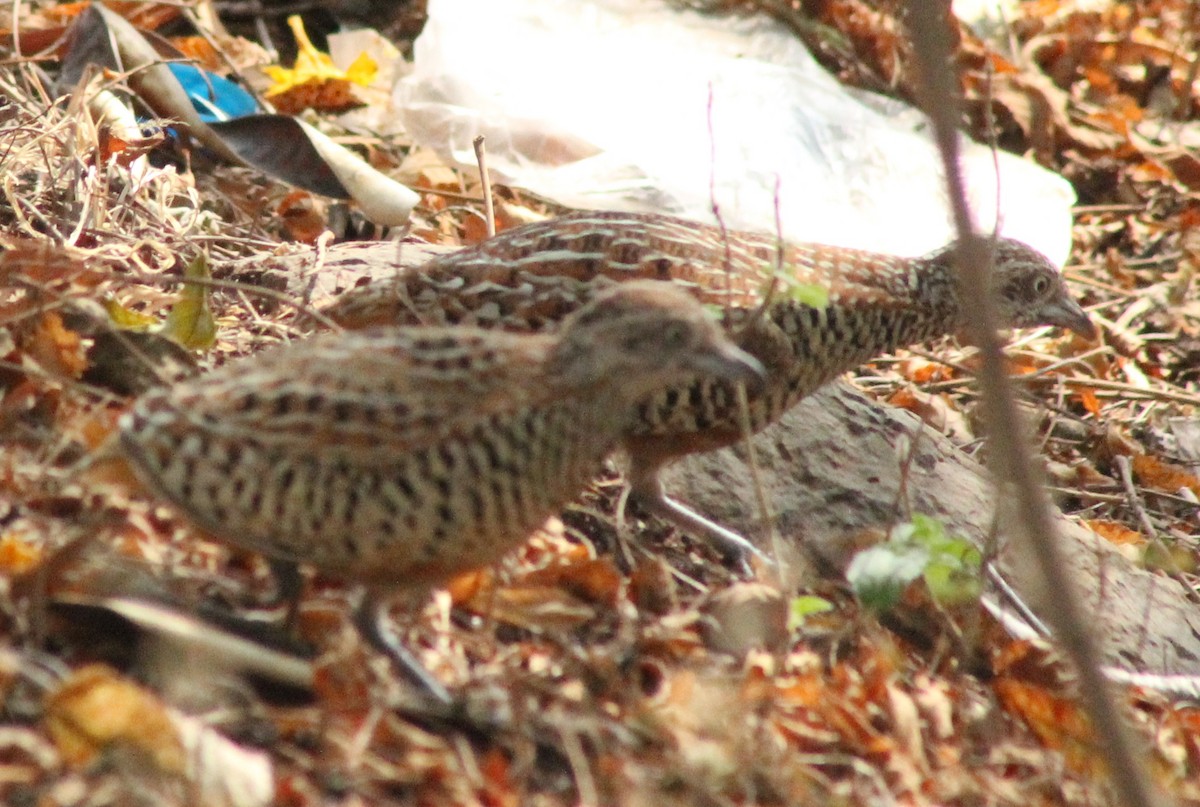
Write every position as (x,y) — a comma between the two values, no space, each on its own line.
(531,277)
(400,457)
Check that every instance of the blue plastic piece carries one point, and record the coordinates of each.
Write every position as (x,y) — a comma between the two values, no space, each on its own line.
(215,98)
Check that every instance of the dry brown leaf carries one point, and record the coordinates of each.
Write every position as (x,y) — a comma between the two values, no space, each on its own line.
(937,411)
(200,51)
(532,607)
(427,170)
(25,263)
(1164,476)
(560,597)
(96,709)
(652,589)
(1087,398)
(466,587)
(474,230)
(500,789)
(55,348)
(303,215)
(803,690)
(592,579)
(327,96)
(923,371)
(1057,722)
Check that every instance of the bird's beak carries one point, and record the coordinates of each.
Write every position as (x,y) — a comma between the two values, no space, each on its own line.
(1066,313)
(730,363)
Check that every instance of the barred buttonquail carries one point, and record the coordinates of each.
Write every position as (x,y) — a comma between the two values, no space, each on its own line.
(531,277)
(400,457)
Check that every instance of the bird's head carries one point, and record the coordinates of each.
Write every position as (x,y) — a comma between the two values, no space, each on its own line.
(650,335)
(1029,290)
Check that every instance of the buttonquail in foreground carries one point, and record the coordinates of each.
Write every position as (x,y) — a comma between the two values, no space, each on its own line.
(400,457)
(531,277)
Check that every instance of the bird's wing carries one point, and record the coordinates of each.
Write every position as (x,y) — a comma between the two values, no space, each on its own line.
(384,392)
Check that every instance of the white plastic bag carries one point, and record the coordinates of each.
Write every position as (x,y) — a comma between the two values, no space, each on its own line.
(605,104)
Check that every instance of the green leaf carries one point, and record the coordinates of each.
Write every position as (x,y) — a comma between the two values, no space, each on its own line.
(921,548)
(191,321)
(880,574)
(805,606)
(952,584)
(810,294)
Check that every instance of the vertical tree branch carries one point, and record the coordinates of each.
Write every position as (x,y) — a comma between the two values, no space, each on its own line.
(1034,532)
(489,211)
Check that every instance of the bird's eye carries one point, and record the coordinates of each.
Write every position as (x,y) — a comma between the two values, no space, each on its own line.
(674,335)
(1040,284)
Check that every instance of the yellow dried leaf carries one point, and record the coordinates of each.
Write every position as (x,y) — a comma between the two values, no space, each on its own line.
(315,81)
(126,318)
(191,322)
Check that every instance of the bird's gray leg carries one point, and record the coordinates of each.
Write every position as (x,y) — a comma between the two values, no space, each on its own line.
(647,489)
(289,587)
(370,617)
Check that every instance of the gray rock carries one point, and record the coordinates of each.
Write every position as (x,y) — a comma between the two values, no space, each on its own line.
(833,467)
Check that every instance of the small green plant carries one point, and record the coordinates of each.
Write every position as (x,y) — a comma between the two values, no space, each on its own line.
(921,548)
(810,294)
(804,606)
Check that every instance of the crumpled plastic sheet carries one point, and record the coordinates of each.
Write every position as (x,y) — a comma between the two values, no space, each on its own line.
(606,104)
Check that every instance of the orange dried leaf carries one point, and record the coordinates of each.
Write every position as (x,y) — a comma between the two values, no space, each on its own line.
(57,349)
(17,555)
(596,580)
(499,788)
(468,586)
(923,371)
(1107,120)
(1164,476)
(201,51)
(1058,723)
(807,691)
(1150,171)
(1023,364)
(1026,659)
(474,230)
(543,608)
(1087,397)
(1001,66)
(303,216)
(329,96)
(428,170)
(1183,166)
(1189,221)
(25,263)
(149,16)
(1114,532)
(67,11)
(1101,83)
